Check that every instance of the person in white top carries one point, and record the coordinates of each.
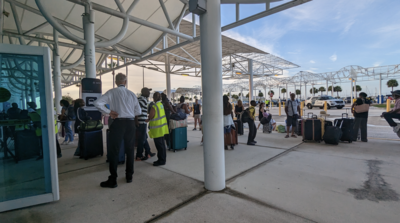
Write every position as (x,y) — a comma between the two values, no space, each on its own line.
(124,108)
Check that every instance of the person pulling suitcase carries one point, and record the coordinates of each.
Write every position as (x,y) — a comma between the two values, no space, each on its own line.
(124,107)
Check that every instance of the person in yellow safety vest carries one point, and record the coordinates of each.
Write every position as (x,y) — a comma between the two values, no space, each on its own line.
(267,103)
(158,128)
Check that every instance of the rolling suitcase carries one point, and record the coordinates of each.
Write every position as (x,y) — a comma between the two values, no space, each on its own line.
(312,128)
(178,139)
(267,128)
(299,128)
(239,127)
(91,144)
(333,134)
(233,140)
(121,159)
(347,127)
(27,145)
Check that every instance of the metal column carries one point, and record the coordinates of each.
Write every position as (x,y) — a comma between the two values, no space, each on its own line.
(56,73)
(168,75)
(332,90)
(326,87)
(355,89)
(351,92)
(211,58)
(88,32)
(250,68)
(287,92)
(380,89)
(305,91)
(313,90)
(33,91)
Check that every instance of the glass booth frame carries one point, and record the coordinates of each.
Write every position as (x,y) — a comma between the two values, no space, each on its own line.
(50,154)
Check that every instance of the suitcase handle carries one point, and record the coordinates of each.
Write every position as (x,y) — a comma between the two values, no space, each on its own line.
(335,124)
(315,117)
(347,115)
(308,115)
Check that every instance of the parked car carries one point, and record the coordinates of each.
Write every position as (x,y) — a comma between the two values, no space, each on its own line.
(347,100)
(319,101)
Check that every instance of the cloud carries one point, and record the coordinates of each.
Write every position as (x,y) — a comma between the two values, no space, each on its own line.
(311,61)
(349,24)
(269,48)
(377,64)
(333,57)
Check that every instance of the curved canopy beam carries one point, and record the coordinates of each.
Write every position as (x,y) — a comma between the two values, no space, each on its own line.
(76,63)
(61,29)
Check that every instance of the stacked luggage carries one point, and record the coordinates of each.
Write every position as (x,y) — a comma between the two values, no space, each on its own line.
(346,124)
(333,134)
(178,134)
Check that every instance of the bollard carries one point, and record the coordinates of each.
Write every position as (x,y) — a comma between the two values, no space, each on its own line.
(388,105)
(272,104)
(301,108)
(280,109)
(326,106)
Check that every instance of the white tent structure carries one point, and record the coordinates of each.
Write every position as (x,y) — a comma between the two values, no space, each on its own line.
(84,34)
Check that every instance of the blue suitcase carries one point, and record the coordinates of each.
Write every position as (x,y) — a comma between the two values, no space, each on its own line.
(178,139)
(91,144)
(121,159)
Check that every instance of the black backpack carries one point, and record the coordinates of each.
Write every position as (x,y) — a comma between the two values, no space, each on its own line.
(266,120)
(70,113)
(246,115)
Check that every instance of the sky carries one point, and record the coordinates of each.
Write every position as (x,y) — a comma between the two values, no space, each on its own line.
(319,36)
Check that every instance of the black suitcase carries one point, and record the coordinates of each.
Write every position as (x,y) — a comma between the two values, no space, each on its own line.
(347,127)
(121,159)
(299,127)
(333,134)
(27,145)
(312,129)
(239,127)
(91,144)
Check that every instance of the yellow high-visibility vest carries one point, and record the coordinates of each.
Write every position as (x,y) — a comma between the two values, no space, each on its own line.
(158,125)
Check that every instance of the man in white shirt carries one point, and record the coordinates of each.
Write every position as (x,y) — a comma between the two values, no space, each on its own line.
(124,107)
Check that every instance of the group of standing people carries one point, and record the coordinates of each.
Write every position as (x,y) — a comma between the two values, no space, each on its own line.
(129,115)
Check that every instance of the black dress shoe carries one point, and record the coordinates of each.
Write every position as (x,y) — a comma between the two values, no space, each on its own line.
(129,180)
(158,164)
(251,144)
(151,155)
(109,183)
(254,141)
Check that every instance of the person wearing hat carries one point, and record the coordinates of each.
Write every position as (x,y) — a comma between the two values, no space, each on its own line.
(124,108)
(360,118)
(141,125)
(394,113)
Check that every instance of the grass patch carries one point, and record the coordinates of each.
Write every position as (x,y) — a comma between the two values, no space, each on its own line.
(383,105)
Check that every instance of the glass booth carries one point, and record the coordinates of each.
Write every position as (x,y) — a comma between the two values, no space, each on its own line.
(28,160)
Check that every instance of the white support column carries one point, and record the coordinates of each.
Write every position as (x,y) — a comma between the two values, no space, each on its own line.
(126,71)
(23,100)
(355,89)
(168,75)
(33,91)
(294,90)
(351,92)
(250,69)
(332,90)
(380,88)
(88,33)
(279,92)
(211,58)
(326,87)
(56,73)
(305,91)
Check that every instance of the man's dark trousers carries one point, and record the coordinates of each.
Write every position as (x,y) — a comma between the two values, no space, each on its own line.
(252,131)
(389,118)
(121,129)
(161,150)
(142,141)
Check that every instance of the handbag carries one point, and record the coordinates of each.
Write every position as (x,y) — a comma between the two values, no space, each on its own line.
(89,125)
(361,108)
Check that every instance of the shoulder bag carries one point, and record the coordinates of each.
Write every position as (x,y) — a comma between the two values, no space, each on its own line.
(89,125)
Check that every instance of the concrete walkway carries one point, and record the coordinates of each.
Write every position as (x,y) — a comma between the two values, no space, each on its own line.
(279,180)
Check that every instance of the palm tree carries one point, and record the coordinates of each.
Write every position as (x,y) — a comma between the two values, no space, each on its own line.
(322,89)
(358,88)
(298,92)
(392,83)
(247,95)
(271,92)
(315,90)
(260,95)
(330,88)
(337,89)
